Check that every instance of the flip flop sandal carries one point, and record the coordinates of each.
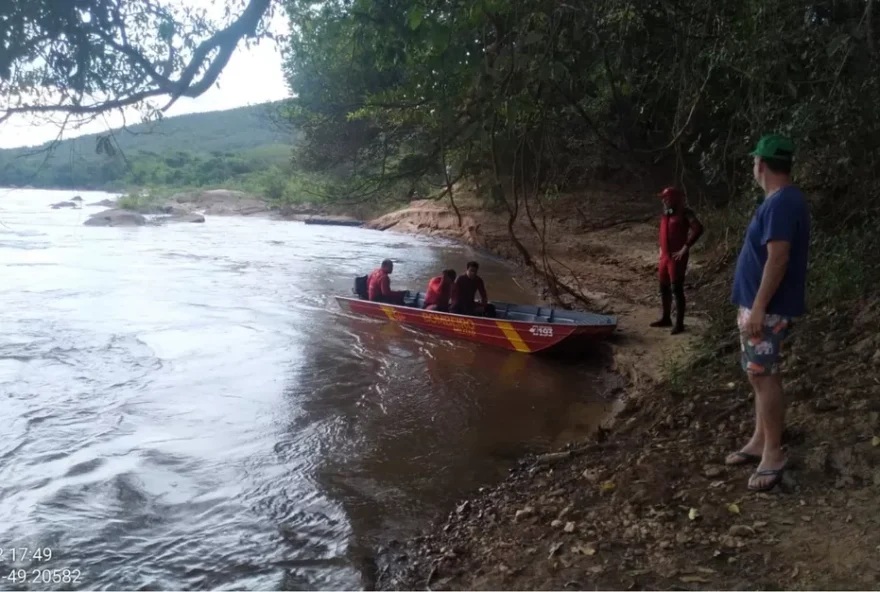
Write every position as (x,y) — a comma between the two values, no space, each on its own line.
(777,475)
(744,459)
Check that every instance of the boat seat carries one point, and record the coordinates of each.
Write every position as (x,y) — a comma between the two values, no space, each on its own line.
(500,309)
(360,287)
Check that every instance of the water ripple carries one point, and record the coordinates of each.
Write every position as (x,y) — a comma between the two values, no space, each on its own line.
(189,409)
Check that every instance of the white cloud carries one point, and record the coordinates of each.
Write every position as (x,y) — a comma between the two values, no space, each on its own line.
(253,75)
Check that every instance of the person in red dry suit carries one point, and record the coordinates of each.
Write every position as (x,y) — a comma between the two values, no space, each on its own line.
(440,291)
(379,285)
(679,231)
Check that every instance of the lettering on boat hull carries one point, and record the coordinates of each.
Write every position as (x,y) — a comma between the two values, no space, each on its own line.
(462,326)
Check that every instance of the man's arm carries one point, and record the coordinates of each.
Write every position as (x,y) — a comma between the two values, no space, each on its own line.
(779,231)
(481,287)
(774,270)
(696,229)
(446,289)
(778,253)
(385,286)
(453,293)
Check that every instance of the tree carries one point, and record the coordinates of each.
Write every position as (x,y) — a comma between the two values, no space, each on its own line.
(83,57)
(536,97)
(415,88)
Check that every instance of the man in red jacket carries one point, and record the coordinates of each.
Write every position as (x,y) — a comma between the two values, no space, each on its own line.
(440,291)
(379,285)
(679,231)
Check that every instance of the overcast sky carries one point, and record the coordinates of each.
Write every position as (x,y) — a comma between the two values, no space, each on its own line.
(252,76)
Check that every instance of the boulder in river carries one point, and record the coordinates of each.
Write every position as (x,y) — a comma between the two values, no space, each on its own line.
(106,203)
(222,202)
(63,204)
(116,218)
(333,220)
(76,198)
(181,219)
(170,208)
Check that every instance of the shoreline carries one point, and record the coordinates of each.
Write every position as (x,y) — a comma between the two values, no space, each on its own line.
(647,501)
(633,345)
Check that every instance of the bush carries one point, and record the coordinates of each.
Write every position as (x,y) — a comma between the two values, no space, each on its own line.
(843,264)
(139,201)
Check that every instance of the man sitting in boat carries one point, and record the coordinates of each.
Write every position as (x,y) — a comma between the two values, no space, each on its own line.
(379,285)
(440,291)
(468,285)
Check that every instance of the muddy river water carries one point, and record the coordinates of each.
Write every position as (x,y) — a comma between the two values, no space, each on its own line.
(186,407)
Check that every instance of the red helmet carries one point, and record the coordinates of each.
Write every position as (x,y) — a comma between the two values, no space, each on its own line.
(671,195)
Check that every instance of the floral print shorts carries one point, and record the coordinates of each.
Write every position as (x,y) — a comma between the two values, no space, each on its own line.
(760,355)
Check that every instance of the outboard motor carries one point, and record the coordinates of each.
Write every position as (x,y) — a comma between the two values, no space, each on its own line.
(360,287)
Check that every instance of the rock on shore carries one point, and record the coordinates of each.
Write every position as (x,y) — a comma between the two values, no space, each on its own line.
(221,202)
(180,219)
(106,203)
(116,217)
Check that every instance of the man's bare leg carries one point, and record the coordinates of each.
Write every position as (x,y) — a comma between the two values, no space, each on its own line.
(770,406)
(755,446)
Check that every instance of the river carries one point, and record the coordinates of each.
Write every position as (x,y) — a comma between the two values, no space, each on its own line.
(186,407)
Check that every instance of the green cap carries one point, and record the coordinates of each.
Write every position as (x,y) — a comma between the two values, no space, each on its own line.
(774,146)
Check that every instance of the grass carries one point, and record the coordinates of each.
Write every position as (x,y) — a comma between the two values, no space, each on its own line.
(843,264)
(137,201)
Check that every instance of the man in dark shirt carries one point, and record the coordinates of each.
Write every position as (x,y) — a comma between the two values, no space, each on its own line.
(468,285)
(770,290)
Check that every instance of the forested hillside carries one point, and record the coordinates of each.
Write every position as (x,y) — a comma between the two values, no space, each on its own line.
(188,150)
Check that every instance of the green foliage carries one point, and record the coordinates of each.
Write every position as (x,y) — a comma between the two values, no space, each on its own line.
(139,201)
(281,186)
(84,57)
(538,91)
(196,150)
(844,264)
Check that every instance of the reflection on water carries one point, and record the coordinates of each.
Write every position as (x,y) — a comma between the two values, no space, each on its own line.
(187,407)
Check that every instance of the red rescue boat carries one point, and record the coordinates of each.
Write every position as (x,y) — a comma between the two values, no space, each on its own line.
(521,328)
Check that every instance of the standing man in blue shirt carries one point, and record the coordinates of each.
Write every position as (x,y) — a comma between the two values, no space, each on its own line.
(770,290)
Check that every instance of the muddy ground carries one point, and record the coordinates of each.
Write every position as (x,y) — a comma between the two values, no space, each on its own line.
(648,503)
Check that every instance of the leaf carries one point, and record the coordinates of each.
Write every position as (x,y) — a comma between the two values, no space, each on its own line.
(733,508)
(694,580)
(439,37)
(589,549)
(875,441)
(559,71)
(693,514)
(607,487)
(533,37)
(166,31)
(416,16)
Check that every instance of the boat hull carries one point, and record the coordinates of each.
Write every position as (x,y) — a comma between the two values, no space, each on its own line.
(519,336)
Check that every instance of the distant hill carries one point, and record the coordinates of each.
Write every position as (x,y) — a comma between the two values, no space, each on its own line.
(187,150)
